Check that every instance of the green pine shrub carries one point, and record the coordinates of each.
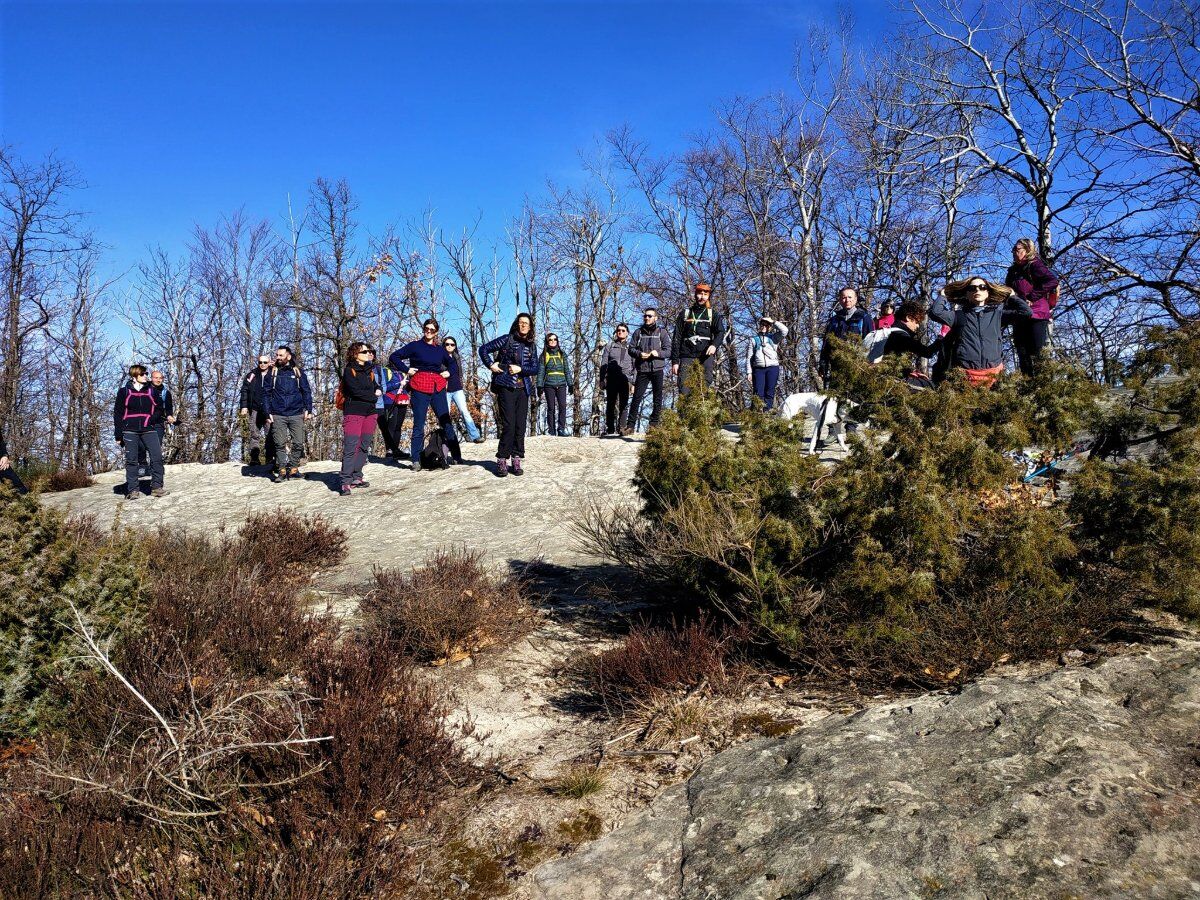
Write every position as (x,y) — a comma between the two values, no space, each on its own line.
(919,558)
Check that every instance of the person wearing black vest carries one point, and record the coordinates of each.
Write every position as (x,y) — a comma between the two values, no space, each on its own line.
(699,331)
(650,347)
(554,384)
(7,472)
(254,409)
(136,417)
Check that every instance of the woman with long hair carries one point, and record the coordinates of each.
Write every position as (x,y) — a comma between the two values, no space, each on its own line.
(554,384)
(428,366)
(458,395)
(1038,286)
(977,311)
(360,391)
(513,361)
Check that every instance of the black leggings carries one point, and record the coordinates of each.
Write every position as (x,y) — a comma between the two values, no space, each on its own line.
(512,413)
(1030,337)
(10,475)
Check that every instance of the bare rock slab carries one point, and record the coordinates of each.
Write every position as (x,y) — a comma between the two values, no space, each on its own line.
(1084,782)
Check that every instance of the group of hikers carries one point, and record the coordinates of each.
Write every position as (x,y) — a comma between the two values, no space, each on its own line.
(277,402)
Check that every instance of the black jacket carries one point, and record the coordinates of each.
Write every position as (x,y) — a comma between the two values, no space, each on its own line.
(251,396)
(976,332)
(646,339)
(696,331)
(136,410)
(358,391)
(902,341)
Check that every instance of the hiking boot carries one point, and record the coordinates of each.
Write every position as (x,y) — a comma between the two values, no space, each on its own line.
(278,476)
(516,466)
(480,439)
(501,468)
(254,457)
(132,495)
(159,492)
(416,466)
(626,431)
(360,483)
(294,472)
(345,490)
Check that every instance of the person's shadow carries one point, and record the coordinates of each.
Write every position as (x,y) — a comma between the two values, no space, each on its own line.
(331,480)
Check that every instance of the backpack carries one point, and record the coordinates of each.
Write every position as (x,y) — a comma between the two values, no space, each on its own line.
(1052,297)
(436,451)
(875,342)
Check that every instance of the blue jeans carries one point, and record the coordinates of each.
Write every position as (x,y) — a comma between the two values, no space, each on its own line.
(420,407)
(765,380)
(459,399)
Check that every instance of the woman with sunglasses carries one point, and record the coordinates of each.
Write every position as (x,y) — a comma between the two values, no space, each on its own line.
(554,383)
(513,360)
(458,396)
(359,394)
(428,366)
(977,311)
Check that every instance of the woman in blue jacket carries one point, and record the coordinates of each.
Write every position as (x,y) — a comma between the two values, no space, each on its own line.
(513,360)
(428,366)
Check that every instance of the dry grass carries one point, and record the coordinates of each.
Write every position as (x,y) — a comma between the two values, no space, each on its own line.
(67,480)
(579,782)
(449,606)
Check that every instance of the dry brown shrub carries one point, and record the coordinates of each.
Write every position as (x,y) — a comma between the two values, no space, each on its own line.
(653,661)
(450,605)
(67,480)
(282,540)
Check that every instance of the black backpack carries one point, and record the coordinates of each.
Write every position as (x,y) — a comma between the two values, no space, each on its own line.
(436,452)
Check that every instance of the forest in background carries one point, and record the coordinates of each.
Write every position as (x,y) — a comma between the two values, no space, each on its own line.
(892,167)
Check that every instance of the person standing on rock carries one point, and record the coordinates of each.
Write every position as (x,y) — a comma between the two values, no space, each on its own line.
(360,392)
(651,348)
(391,406)
(428,366)
(162,394)
(513,361)
(554,383)
(7,472)
(254,409)
(762,359)
(458,395)
(136,417)
(288,400)
(1038,286)
(617,374)
(699,331)
(848,320)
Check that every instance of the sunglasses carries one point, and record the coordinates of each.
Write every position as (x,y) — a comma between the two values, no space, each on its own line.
(430,330)
(264,362)
(450,346)
(979,287)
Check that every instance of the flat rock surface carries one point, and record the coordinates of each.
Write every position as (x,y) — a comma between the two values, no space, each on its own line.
(1083,782)
(403,514)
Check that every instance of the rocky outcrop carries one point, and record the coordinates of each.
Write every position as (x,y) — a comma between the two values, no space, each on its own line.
(402,514)
(1084,782)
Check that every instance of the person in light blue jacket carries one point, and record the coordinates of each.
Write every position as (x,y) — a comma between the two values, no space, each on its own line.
(762,359)
(458,395)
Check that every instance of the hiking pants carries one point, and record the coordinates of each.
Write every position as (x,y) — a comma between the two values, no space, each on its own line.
(766,378)
(1030,337)
(134,443)
(710,366)
(459,399)
(260,437)
(420,408)
(556,408)
(391,423)
(618,405)
(655,380)
(512,414)
(10,475)
(288,434)
(357,434)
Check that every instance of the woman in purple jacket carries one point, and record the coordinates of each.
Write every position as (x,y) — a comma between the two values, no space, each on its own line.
(1038,286)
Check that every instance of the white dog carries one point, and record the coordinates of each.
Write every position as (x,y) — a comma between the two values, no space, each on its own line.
(822,410)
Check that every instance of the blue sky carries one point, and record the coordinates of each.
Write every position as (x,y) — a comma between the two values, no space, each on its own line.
(177,112)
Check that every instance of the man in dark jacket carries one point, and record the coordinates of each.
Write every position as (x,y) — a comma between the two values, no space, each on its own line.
(977,313)
(699,331)
(254,410)
(137,415)
(651,348)
(7,472)
(288,401)
(616,375)
(847,320)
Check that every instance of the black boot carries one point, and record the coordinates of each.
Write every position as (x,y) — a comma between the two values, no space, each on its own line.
(255,456)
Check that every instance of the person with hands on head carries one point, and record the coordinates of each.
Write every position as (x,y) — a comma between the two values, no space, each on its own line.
(428,365)
(699,331)
(977,311)
(762,359)
(289,407)
(513,361)
(137,415)
(7,472)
